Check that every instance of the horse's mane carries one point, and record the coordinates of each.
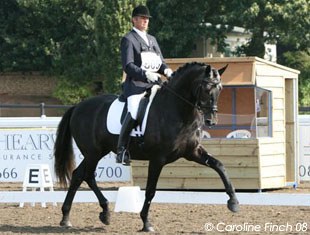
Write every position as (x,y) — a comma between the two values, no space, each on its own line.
(186,68)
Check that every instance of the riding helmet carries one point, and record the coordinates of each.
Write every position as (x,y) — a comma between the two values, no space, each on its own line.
(141,11)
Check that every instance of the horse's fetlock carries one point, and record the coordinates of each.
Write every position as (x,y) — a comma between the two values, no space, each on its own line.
(65,208)
(105,206)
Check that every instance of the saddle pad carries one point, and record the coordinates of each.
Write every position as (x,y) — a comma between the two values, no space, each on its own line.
(114,116)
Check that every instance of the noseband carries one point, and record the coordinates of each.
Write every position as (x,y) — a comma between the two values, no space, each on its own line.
(210,85)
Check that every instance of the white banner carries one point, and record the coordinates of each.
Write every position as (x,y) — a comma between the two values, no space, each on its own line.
(21,147)
(304,147)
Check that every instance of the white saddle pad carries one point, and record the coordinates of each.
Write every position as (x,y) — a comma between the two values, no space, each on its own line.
(114,116)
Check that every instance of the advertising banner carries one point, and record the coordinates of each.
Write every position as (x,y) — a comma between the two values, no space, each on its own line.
(304,147)
(20,147)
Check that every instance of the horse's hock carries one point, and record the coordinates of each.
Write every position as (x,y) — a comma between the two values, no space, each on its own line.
(260,98)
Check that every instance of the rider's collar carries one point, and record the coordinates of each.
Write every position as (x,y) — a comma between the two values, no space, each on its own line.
(142,35)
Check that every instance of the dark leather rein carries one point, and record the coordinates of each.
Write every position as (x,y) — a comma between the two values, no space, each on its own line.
(196,105)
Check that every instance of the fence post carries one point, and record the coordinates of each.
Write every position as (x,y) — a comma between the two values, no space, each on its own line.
(42,108)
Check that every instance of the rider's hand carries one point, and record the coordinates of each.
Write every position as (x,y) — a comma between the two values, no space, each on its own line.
(168,72)
(152,77)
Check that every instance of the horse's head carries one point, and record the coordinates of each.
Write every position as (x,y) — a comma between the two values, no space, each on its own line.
(205,85)
(207,91)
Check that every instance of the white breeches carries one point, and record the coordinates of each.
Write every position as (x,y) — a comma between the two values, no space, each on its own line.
(133,104)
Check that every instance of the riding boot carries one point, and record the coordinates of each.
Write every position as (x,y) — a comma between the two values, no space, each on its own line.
(123,140)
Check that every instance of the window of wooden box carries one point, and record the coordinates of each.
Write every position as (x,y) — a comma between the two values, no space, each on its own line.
(243,108)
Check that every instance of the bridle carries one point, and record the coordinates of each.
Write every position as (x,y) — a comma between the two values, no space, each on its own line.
(210,85)
(179,96)
(197,105)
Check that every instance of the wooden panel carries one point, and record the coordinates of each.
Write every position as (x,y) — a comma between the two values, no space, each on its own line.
(272,160)
(239,71)
(279,125)
(290,127)
(228,161)
(244,168)
(171,171)
(265,68)
(279,134)
(278,103)
(240,159)
(268,141)
(275,148)
(199,183)
(229,142)
(234,150)
(270,82)
(273,182)
(277,92)
(273,171)
(278,114)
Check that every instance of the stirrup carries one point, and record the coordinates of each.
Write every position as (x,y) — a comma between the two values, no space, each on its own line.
(123,157)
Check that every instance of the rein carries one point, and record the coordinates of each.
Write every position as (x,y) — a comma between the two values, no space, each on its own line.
(180,97)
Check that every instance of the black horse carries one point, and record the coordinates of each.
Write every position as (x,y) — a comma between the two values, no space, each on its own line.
(180,108)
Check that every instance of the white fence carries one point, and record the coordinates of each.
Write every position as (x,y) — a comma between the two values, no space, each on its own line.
(26,122)
(26,141)
(30,140)
(304,147)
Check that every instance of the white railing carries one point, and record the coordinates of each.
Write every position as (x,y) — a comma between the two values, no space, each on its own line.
(26,122)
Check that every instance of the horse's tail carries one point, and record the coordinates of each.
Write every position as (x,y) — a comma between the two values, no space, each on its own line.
(63,150)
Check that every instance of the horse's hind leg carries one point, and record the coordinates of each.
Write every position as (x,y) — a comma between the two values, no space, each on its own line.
(202,157)
(91,181)
(77,179)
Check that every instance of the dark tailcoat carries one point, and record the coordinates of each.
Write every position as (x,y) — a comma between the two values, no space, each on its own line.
(131,47)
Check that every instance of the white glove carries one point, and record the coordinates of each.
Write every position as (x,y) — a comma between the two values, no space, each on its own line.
(168,72)
(152,77)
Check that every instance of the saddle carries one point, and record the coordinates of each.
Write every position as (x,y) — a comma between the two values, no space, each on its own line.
(118,110)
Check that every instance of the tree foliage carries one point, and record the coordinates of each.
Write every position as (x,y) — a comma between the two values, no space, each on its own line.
(301,60)
(113,21)
(285,22)
(178,23)
(78,41)
(22,44)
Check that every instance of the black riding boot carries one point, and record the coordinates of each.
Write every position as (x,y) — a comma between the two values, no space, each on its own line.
(123,140)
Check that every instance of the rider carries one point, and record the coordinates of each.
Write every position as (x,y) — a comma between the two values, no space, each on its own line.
(143,63)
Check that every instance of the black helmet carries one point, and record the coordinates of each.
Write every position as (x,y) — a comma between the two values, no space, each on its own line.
(141,11)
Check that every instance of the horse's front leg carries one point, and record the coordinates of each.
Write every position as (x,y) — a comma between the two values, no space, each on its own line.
(201,156)
(154,170)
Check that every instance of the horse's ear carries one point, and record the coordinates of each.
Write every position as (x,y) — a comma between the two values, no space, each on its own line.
(208,69)
(222,70)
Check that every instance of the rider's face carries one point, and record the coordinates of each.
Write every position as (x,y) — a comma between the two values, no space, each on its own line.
(141,22)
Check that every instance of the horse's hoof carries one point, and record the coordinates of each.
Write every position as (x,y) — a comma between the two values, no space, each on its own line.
(148,229)
(233,205)
(105,217)
(65,223)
